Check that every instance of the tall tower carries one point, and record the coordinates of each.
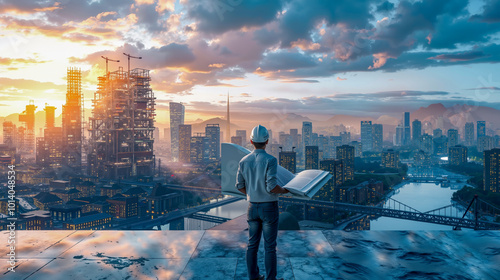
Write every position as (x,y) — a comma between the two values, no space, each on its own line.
(49,116)
(366,135)
(469,134)
(72,120)
(176,119)
(228,125)
(28,117)
(407,129)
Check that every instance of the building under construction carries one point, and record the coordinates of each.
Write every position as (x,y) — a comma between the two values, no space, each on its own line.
(122,126)
(72,121)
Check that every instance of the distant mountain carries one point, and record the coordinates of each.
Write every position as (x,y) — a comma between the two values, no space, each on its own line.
(456,116)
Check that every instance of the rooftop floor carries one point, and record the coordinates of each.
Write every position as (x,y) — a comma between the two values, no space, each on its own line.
(220,254)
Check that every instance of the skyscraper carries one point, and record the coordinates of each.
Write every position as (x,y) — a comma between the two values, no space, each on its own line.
(452,137)
(312,157)
(287,159)
(199,148)
(491,163)
(306,140)
(243,135)
(481,129)
(212,131)
(398,137)
(237,140)
(457,155)
(72,120)
(407,129)
(417,132)
(176,119)
(346,154)
(184,143)
(294,133)
(378,137)
(366,135)
(336,170)
(469,134)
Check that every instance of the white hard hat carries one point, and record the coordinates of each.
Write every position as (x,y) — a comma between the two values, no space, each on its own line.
(259,134)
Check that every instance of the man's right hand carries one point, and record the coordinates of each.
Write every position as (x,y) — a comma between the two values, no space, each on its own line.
(279,190)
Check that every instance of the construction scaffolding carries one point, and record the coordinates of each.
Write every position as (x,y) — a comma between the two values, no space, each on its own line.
(122,126)
(72,121)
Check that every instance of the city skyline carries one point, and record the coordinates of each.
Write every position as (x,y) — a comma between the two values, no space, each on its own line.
(385,58)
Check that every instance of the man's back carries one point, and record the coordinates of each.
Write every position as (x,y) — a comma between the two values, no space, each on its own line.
(257,173)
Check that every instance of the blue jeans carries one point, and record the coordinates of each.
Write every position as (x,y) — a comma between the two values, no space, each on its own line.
(262,217)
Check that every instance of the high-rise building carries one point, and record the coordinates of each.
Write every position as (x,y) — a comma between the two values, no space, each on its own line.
(452,137)
(345,138)
(237,140)
(199,148)
(28,137)
(9,134)
(305,141)
(426,144)
(346,154)
(312,157)
(285,140)
(485,143)
(176,119)
(390,159)
(407,129)
(366,135)
(243,135)
(436,133)
(358,148)
(417,132)
(306,134)
(48,147)
(336,169)
(469,134)
(212,131)
(378,137)
(72,120)
(184,143)
(457,155)
(481,129)
(491,163)
(287,159)
(398,137)
(294,134)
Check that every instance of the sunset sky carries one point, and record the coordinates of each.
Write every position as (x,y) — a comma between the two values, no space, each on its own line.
(315,58)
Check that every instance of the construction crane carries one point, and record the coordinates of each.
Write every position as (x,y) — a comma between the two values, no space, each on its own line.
(109,59)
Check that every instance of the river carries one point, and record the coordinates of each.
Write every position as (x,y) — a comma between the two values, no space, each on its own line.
(422,197)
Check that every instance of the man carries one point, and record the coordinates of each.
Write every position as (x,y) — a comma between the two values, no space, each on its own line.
(257,179)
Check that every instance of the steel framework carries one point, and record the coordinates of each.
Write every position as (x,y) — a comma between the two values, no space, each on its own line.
(122,126)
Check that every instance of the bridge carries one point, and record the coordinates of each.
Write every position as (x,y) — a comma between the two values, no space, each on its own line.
(395,209)
(179,214)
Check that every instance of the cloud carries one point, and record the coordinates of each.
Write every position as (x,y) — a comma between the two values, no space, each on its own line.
(465,56)
(219,16)
(485,88)
(244,94)
(16,61)
(491,12)
(340,79)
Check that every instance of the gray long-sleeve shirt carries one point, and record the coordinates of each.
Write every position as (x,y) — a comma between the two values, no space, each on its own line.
(257,173)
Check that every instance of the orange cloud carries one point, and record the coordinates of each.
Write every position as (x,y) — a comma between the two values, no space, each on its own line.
(10,61)
(340,79)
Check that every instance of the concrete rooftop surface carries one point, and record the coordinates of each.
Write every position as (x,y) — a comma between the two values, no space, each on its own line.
(220,254)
